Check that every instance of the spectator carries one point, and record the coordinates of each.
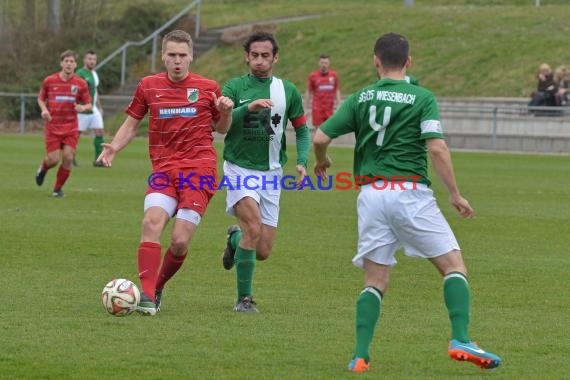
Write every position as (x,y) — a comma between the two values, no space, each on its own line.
(562,83)
(545,90)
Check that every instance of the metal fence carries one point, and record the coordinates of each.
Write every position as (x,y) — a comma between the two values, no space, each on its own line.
(492,115)
(154,37)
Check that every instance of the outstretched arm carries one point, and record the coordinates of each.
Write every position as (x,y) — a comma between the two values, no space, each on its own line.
(125,134)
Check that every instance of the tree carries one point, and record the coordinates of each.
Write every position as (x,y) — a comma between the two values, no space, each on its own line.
(53,15)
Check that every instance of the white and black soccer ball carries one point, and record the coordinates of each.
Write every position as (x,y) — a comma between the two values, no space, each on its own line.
(120,297)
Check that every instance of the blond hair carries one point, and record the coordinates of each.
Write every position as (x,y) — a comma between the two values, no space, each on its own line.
(177,36)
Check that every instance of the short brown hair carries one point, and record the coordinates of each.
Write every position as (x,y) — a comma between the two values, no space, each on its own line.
(177,36)
(67,53)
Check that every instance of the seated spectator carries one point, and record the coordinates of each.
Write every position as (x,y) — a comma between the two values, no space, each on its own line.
(545,89)
(545,94)
(562,83)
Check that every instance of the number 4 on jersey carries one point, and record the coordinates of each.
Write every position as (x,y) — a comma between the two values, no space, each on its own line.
(380,128)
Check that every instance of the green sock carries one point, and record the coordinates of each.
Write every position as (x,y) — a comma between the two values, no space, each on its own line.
(367,315)
(98,148)
(456,295)
(245,265)
(235,239)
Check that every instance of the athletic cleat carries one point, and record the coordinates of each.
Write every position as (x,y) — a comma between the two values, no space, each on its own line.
(75,163)
(228,259)
(57,193)
(358,365)
(472,353)
(146,306)
(98,164)
(40,176)
(157,299)
(246,304)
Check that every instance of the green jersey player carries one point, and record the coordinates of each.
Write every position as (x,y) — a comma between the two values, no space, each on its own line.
(254,155)
(94,118)
(396,124)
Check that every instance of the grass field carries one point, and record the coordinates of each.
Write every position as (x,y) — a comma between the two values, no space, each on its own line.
(57,254)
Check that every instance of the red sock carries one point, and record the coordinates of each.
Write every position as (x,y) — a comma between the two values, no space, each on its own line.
(170,265)
(62,175)
(149,256)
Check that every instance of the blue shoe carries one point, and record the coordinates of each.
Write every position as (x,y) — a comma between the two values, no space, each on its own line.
(228,259)
(472,353)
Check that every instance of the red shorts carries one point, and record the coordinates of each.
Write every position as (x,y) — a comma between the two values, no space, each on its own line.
(320,116)
(56,142)
(193,188)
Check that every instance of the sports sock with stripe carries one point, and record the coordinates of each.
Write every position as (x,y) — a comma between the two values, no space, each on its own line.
(368,308)
(456,295)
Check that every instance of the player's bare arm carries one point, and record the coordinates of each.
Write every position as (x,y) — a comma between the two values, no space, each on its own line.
(45,113)
(320,143)
(441,159)
(125,134)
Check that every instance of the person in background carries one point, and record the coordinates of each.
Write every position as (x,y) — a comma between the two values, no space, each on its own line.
(323,91)
(562,82)
(545,88)
(92,119)
(61,97)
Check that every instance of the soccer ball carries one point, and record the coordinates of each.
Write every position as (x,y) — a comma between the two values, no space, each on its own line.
(120,297)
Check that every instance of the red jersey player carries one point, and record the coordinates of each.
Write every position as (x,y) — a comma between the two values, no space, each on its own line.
(324,86)
(62,95)
(184,108)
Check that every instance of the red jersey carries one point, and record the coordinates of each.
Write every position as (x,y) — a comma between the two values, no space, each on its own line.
(181,115)
(61,96)
(324,88)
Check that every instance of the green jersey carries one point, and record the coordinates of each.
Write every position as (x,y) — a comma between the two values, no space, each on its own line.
(92,80)
(412,79)
(256,140)
(391,120)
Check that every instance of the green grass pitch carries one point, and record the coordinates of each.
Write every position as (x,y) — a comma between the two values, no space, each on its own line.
(57,254)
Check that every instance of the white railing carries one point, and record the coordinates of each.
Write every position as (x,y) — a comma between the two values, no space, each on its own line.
(154,37)
(27,96)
